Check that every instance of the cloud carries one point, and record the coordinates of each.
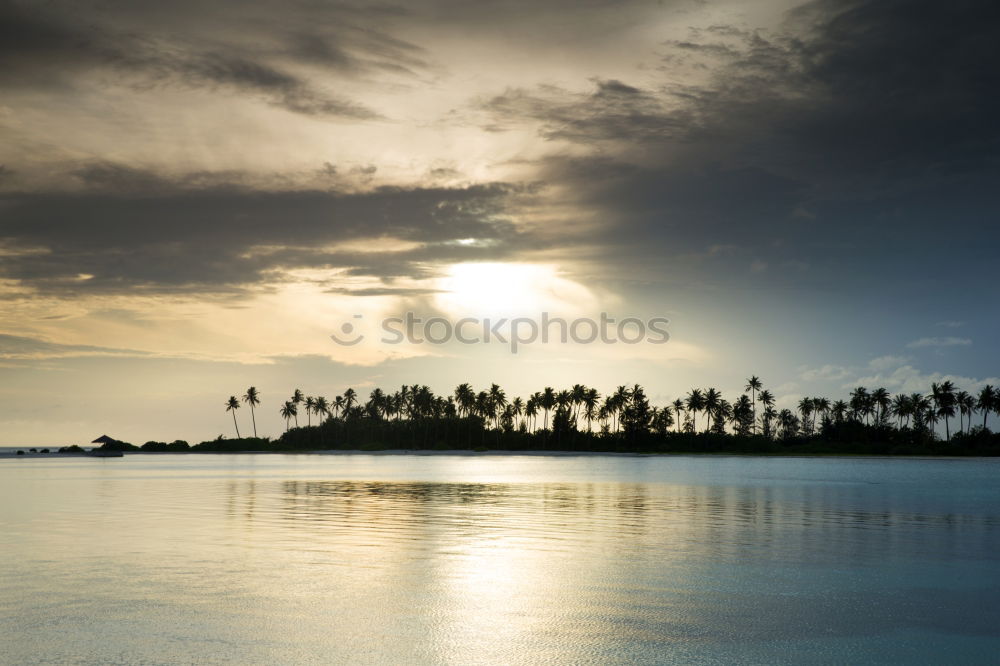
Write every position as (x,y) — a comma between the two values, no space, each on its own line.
(237,48)
(906,378)
(939,342)
(825,373)
(612,111)
(821,143)
(14,347)
(130,229)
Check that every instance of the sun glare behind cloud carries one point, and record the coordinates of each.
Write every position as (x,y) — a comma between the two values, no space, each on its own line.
(510,289)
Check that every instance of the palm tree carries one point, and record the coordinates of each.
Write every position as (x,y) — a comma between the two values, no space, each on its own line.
(531,411)
(989,398)
(310,406)
(788,422)
(465,397)
(591,400)
(547,402)
(966,406)
(860,403)
(880,400)
(901,408)
(839,409)
(516,410)
(338,405)
(498,400)
(231,406)
(806,409)
(753,385)
(297,399)
(322,408)
(743,418)
(769,415)
(766,398)
(921,406)
(713,400)
(616,404)
(577,394)
(350,398)
(252,398)
(943,395)
(678,409)
(821,406)
(288,411)
(695,402)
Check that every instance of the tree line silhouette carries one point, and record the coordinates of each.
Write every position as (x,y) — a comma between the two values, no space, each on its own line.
(580,418)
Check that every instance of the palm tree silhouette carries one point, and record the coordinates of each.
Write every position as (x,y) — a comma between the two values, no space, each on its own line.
(712,404)
(625,417)
(310,404)
(591,403)
(322,408)
(743,415)
(806,410)
(498,400)
(880,400)
(231,406)
(901,408)
(350,398)
(516,410)
(547,402)
(297,399)
(465,398)
(860,403)
(679,412)
(288,411)
(839,409)
(788,423)
(966,406)
(989,400)
(531,411)
(943,395)
(753,385)
(766,398)
(769,415)
(252,398)
(695,403)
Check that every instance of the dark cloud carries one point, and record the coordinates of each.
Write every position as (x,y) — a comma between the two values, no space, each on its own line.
(15,347)
(613,111)
(840,143)
(384,291)
(139,231)
(259,50)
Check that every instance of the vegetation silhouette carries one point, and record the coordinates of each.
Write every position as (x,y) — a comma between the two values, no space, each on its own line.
(252,398)
(231,406)
(578,419)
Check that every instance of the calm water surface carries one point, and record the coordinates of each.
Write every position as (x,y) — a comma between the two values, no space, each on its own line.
(264,559)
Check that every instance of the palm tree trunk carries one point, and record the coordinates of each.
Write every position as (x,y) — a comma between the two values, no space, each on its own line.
(254,419)
(237,425)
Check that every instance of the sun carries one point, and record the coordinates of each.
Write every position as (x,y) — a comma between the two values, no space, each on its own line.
(508,289)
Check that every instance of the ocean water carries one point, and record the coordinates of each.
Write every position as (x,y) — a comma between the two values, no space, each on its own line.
(489,559)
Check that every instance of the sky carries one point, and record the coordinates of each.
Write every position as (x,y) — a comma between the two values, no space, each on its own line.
(194,197)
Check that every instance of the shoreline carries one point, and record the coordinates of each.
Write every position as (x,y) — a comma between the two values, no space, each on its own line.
(470,453)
